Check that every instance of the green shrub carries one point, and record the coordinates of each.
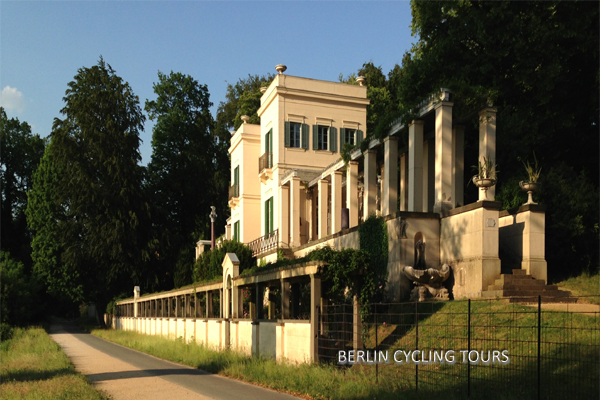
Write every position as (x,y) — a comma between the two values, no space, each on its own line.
(209,264)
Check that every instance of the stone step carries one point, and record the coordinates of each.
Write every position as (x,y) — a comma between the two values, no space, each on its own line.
(529,286)
(519,271)
(559,296)
(525,293)
(520,282)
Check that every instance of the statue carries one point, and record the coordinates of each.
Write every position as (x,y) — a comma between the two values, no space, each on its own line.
(428,281)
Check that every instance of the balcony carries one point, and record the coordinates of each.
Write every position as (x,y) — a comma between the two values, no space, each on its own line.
(265,163)
(234,194)
(264,243)
(234,191)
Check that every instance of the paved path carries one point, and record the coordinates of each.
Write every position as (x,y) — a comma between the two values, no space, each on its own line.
(127,374)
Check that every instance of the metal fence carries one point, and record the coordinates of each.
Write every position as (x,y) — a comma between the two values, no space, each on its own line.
(553,350)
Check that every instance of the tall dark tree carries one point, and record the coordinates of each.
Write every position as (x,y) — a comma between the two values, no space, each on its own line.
(537,62)
(184,172)
(20,156)
(86,206)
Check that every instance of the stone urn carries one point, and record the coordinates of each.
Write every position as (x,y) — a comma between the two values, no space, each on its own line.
(530,187)
(484,183)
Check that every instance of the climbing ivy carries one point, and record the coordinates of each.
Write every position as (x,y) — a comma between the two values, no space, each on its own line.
(374,241)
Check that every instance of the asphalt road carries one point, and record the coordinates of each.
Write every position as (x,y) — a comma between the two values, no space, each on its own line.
(120,361)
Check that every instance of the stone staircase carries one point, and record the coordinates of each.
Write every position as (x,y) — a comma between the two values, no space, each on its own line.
(521,287)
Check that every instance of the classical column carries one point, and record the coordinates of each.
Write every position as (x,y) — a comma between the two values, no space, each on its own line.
(323,186)
(443,156)
(487,143)
(336,202)
(285,299)
(209,305)
(370,183)
(315,302)
(313,234)
(284,216)
(403,184)
(352,192)
(458,166)
(416,195)
(389,201)
(295,212)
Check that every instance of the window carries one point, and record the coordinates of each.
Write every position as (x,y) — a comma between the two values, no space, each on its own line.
(350,136)
(236,181)
(296,135)
(269,216)
(324,138)
(236,231)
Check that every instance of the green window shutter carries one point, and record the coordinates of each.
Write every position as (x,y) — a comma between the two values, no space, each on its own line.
(359,136)
(266,217)
(305,136)
(333,139)
(315,137)
(342,138)
(270,140)
(267,142)
(287,133)
(271,217)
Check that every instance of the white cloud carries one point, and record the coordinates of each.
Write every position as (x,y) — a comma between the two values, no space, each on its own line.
(12,99)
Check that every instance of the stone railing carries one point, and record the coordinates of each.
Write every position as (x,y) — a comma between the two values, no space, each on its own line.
(264,243)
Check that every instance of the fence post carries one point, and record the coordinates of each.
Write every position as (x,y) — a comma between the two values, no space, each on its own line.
(539,345)
(417,344)
(469,350)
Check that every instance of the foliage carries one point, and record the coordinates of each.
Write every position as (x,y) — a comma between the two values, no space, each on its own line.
(374,241)
(210,264)
(183,176)
(87,206)
(19,293)
(384,107)
(533,171)
(486,168)
(20,156)
(537,64)
(243,98)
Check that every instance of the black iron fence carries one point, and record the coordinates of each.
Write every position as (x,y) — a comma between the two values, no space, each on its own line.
(265,161)
(471,348)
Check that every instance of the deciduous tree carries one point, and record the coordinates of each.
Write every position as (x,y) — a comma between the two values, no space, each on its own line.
(185,172)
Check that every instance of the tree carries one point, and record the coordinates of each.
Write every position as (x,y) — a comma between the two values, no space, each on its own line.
(185,175)
(382,92)
(537,62)
(86,206)
(20,156)
(243,98)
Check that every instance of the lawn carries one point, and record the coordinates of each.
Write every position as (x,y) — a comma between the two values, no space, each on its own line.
(583,285)
(34,367)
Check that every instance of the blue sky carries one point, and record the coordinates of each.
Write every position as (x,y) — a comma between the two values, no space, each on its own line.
(43,43)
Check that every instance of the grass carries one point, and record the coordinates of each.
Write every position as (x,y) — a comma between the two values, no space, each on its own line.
(583,285)
(570,347)
(34,367)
